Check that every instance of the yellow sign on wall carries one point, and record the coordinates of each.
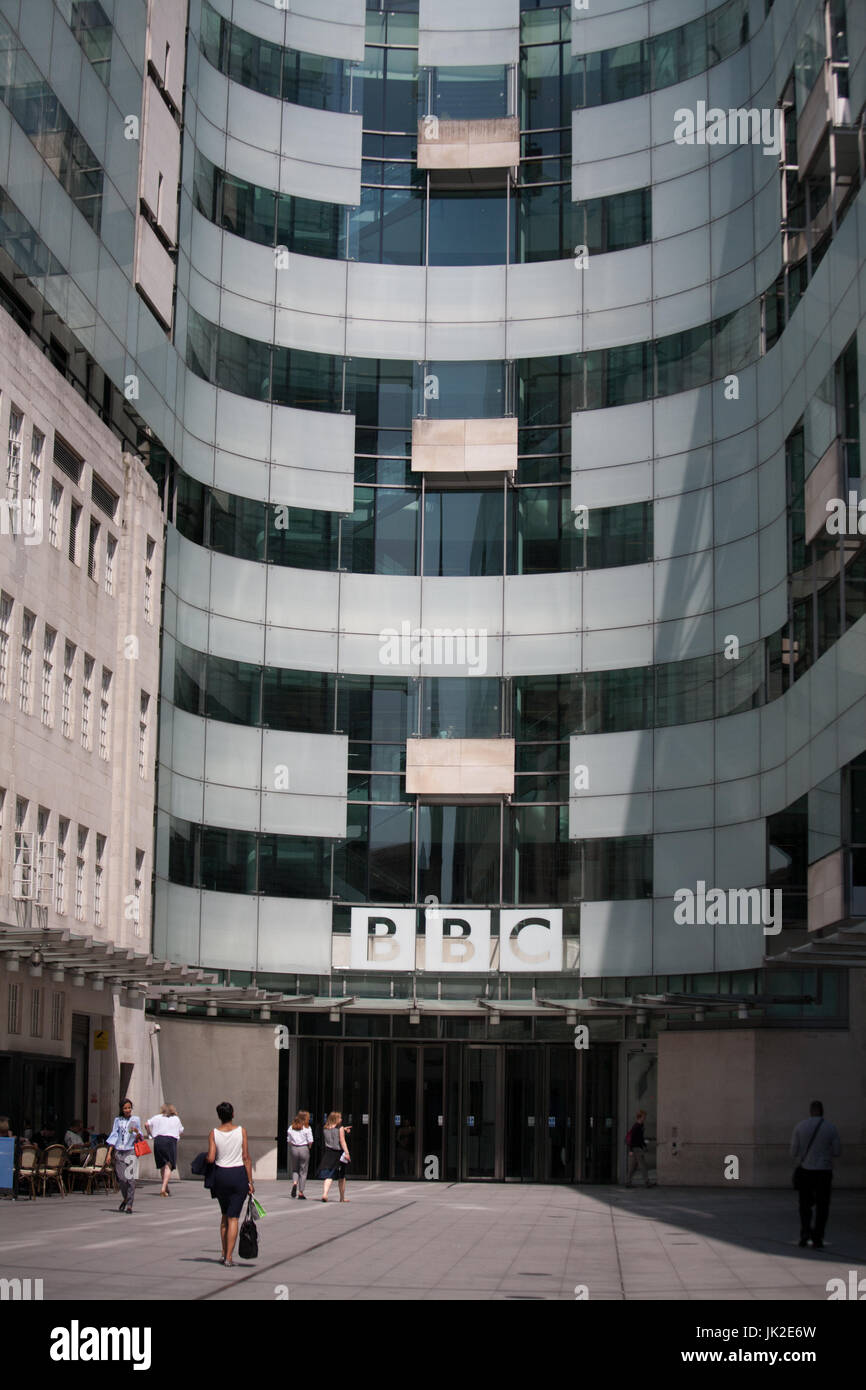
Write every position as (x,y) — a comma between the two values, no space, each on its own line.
(100,1040)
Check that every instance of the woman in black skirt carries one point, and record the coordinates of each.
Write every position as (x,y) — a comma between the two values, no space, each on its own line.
(232,1175)
(335,1159)
(165,1129)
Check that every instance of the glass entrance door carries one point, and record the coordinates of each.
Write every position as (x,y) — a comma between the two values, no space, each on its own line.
(522,1123)
(417,1113)
(559,1120)
(346,1085)
(482,1153)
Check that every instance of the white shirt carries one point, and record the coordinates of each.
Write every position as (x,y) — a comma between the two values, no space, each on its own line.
(168,1125)
(229,1147)
(299,1138)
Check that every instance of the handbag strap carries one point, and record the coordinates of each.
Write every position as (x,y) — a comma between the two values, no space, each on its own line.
(811,1141)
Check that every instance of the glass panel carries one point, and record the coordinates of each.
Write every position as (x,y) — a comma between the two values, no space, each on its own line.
(560,1108)
(685,691)
(479,1112)
(233,691)
(228,860)
(470,93)
(294,867)
(402,1117)
(617,869)
(463,533)
(460,707)
(189,679)
(382,534)
(433,1106)
(182,843)
(302,538)
(545,864)
(299,700)
(237,526)
(355,1106)
(522,1124)
(375,708)
(458,853)
(466,228)
(374,863)
(466,390)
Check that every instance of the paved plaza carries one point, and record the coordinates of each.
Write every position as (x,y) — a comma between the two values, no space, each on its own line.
(436,1241)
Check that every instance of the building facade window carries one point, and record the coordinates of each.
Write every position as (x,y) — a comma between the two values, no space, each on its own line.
(6,607)
(36,1012)
(48,677)
(60,867)
(23,867)
(105,715)
(74,528)
(58,1015)
(110,551)
(13,1008)
(66,702)
(148,580)
(86,702)
(138,888)
(92,545)
(98,875)
(81,874)
(13,457)
(54,514)
(25,687)
(37,444)
(144,705)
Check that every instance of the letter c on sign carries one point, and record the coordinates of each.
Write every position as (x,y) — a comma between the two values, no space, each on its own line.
(514,940)
(380,931)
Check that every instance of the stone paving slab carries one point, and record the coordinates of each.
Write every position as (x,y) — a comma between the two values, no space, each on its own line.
(438,1241)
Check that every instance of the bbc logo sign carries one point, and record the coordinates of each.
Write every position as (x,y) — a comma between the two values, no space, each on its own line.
(530,939)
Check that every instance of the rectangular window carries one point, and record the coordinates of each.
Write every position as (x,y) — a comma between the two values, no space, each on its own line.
(104,497)
(48,676)
(22,872)
(60,867)
(13,461)
(44,856)
(54,515)
(110,550)
(66,708)
(13,1008)
(58,1015)
(5,632)
(138,887)
(142,734)
(36,1012)
(98,872)
(74,519)
(81,873)
(91,549)
(148,581)
(86,698)
(25,692)
(2,857)
(37,440)
(105,715)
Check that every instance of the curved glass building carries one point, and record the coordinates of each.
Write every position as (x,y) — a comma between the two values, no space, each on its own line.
(502,367)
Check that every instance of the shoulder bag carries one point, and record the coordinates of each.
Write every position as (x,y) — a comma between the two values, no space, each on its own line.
(800,1171)
(248,1240)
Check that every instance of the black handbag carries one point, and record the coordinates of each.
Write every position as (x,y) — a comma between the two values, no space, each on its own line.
(800,1171)
(248,1240)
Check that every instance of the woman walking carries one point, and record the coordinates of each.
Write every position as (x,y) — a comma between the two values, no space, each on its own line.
(300,1144)
(333,1163)
(121,1144)
(232,1176)
(165,1129)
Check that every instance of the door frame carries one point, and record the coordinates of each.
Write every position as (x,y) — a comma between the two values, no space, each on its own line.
(647,1047)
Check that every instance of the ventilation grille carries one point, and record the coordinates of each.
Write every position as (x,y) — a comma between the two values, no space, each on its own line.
(67,460)
(104,498)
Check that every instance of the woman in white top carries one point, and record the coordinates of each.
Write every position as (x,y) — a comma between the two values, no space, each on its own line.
(232,1175)
(165,1129)
(300,1143)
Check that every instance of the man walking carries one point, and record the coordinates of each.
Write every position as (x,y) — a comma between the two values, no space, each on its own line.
(637,1149)
(814,1145)
(121,1141)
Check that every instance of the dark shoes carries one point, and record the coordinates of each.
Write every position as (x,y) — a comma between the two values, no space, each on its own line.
(122,1206)
(301,1197)
(803,1242)
(294,1190)
(817,1244)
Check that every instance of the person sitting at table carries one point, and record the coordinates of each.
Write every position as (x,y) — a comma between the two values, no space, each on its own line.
(44,1137)
(5,1130)
(74,1135)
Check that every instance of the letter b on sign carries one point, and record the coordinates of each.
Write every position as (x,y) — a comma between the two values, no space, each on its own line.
(383,940)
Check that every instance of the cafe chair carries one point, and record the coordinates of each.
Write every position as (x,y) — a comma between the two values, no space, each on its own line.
(51,1168)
